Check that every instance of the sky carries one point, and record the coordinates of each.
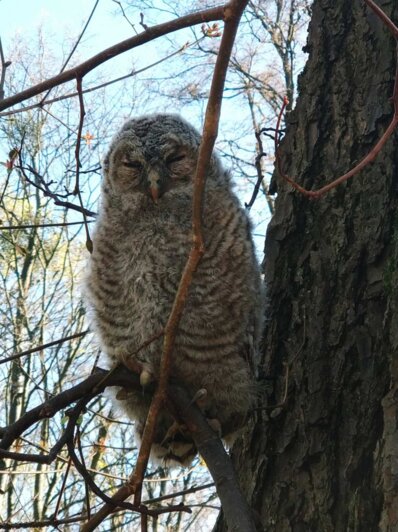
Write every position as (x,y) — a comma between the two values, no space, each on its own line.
(64,17)
(108,26)
(64,21)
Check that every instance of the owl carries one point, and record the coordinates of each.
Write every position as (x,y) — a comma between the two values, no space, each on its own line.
(140,246)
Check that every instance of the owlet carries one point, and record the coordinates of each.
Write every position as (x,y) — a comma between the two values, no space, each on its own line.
(141,243)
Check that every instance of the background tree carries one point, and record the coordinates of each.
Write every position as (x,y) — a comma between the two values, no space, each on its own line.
(321,455)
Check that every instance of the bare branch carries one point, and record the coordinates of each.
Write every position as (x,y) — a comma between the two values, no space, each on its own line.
(4,65)
(207,442)
(44,346)
(45,189)
(102,85)
(81,70)
(37,226)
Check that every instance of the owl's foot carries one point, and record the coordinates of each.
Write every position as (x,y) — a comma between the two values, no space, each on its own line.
(176,448)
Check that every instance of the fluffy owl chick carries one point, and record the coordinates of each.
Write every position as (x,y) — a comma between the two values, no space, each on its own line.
(141,244)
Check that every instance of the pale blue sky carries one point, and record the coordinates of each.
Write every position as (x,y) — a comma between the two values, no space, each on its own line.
(63,20)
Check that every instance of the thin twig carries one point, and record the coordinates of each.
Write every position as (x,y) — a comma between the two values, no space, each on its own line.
(181,493)
(45,189)
(38,226)
(44,346)
(86,486)
(260,177)
(61,491)
(125,16)
(79,134)
(74,47)
(4,65)
(77,191)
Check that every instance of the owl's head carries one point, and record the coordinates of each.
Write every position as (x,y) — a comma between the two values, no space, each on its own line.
(153,156)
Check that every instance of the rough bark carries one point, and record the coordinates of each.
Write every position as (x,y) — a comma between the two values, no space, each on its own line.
(327,460)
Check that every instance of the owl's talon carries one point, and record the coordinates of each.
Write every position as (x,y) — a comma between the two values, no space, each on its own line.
(215,425)
(199,397)
(146,377)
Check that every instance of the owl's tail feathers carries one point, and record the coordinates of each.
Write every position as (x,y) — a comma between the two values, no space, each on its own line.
(173,445)
(176,453)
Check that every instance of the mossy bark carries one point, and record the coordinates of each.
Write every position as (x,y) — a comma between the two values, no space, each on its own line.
(327,459)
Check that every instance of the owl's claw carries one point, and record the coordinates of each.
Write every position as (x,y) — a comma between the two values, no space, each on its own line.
(146,377)
(199,397)
(215,425)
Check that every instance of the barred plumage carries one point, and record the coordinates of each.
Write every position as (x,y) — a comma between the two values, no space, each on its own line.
(141,243)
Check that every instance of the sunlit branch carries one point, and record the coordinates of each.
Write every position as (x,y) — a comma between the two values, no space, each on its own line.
(41,347)
(42,103)
(148,35)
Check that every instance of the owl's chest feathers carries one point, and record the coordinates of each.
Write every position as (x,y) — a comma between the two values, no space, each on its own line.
(137,269)
(140,267)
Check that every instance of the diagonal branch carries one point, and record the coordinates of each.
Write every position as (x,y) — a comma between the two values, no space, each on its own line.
(148,35)
(44,346)
(210,447)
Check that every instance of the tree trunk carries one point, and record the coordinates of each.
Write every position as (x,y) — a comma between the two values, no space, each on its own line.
(327,458)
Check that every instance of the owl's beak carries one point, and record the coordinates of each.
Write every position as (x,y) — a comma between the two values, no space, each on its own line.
(153,179)
(154,190)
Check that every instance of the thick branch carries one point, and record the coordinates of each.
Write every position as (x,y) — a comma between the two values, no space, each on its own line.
(210,447)
(236,511)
